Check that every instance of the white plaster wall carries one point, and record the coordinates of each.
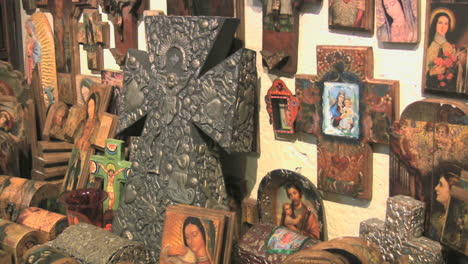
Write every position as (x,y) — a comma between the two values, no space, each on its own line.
(397,62)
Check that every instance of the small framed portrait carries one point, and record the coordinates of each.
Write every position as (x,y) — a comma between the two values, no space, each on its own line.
(445,60)
(397,21)
(341,109)
(191,236)
(83,86)
(55,121)
(288,199)
(351,14)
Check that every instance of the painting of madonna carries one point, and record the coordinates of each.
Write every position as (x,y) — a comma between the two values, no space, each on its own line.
(397,20)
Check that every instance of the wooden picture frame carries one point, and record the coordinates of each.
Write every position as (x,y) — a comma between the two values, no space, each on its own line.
(445,64)
(282,107)
(185,227)
(83,86)
(280,191)
(351,15)
(55,121)
(406,12)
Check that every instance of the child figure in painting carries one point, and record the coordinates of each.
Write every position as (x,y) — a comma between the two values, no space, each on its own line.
(289,220)
(347,114)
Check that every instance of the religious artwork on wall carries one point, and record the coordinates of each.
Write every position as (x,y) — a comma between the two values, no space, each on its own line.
(114,78)
(191,101)
(93,125)
(83,85)
(281,35)
(40,50)
(340,109)
(124,16)
(445,61)
(397,21)
(289,199)
(56,119)
(112,170)
(351,14)
(12,133)
(282,107)
(428,161)
(191,236)
(346,128)
(94,35)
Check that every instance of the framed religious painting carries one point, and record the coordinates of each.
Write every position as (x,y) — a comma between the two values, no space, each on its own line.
(397,21)
(288,199)
(54,126)
(446,47)
(282,107)
(191,235)
(351,15)
(83,86)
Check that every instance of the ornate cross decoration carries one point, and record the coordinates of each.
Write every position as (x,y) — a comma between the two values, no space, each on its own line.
(194,103)
(93,34)
(346,110)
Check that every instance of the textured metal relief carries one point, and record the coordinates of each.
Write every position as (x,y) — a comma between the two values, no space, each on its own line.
(196,102)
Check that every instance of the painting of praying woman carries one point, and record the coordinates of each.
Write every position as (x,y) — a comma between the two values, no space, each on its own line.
(397,21)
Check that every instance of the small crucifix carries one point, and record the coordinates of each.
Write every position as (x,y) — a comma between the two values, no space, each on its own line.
(113,170)
(94,35)
(192,102)
(91,127)
(124,16)
(346,110)
(281,34)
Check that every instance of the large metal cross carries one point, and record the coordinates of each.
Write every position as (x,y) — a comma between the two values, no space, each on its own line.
(194,103)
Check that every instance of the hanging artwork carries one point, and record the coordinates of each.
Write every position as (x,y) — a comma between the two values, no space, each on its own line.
(281,35)
(445,60)
(397,21)
(351,14)
(428,161)
(282,107)
(94,35)
(186,102)
(40,50)
(124,16)
(347,110)
(289,199)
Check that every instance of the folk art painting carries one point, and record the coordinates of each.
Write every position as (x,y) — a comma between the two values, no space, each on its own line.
(282,107)
(429,162)
(345,129)
(55,122)
(351,14)
(288,199)
(112,170)
(445,60)
(397,21)
(190,236)
(83,85)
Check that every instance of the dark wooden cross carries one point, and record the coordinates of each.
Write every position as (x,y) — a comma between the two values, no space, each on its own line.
(94,35)
(281,35)
(91,127)
(113,170)
(346,110)
(192,102)
(124,16)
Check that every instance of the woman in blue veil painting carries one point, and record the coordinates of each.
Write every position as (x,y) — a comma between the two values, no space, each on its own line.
(336,108)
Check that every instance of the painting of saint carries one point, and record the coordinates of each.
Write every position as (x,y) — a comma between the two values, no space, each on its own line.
(446,50)
(298,214)
(397,21)
(349,13)
(340,109)
(11,135)
(83,86)
(189,238)
(55,121)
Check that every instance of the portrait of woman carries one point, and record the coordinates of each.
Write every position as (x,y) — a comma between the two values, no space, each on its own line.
(59,117)
(336,108)
(397,21)
(445,58)
(195,248)
(450,173)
